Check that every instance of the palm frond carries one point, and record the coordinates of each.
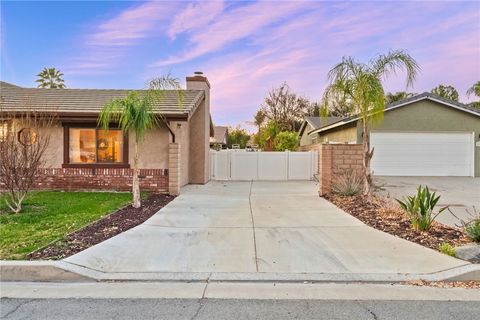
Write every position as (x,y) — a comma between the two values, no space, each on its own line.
(385,65)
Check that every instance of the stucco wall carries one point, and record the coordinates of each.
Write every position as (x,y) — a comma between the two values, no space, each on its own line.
(182,137)
(53,155)
(153,150)
(429,116)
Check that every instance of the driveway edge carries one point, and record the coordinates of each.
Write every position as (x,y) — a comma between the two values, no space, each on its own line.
(58,271)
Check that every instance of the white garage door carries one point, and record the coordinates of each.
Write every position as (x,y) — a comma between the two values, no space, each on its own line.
(422,154)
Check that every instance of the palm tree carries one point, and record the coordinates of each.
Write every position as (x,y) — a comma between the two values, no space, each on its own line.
(475,89)
(362,84)
(259,119)
(50,78)
(397,96)
(135,113)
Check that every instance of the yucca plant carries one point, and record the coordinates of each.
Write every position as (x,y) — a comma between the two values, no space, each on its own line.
(420,208)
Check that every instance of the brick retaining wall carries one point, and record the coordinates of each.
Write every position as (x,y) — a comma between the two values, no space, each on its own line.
(116,179)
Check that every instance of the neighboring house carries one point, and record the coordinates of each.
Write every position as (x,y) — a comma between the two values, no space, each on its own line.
(82,156)
(424,135)
(220,137)
(310,124)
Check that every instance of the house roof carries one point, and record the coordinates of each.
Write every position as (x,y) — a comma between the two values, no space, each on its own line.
(14,98)
(402,103)
(219,135)
(317,122)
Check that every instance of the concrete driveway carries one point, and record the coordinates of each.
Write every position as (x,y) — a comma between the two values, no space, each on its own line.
(269,227)
(459,193)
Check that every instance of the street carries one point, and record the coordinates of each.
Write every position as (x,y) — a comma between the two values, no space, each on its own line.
(63,309)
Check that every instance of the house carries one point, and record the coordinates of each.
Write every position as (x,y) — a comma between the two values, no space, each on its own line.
(424,135)
(82,156)
(310,124)
(220,137)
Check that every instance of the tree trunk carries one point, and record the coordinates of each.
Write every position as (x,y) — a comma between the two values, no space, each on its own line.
(136,184)
(367,156)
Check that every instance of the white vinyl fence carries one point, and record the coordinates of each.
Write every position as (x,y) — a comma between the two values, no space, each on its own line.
(243,165)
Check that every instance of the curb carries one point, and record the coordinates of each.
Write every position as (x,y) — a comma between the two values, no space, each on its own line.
(61,271)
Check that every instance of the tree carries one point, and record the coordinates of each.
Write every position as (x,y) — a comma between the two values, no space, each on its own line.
(238,136)
(259,118)
(267,135)
(286,140)
(397,96)
(50,78)
(362,85)
(475,90)
(285,107)
(135,113)
(447,92)
(23,141)
(338,105)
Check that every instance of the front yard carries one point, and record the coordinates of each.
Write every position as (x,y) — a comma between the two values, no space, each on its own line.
(50,215)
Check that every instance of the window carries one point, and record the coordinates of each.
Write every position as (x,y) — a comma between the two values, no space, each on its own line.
(92,146)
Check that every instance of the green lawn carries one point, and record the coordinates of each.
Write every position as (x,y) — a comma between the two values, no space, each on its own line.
(50,215)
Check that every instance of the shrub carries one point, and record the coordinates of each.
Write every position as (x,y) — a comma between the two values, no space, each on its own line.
(349,183)
(420,208)
(471,225)
(286,140)
(447,249)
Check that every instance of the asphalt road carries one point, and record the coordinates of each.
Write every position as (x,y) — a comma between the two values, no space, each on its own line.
(212,309)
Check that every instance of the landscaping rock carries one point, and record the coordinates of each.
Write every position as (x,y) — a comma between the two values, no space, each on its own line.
(469,252)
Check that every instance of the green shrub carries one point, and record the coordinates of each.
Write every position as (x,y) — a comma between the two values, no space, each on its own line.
(286,140)
(470,225)
(447,249)
(420,208)
(349,183)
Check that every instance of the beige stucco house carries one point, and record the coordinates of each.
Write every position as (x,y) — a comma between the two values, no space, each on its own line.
(424,135)
(82,156)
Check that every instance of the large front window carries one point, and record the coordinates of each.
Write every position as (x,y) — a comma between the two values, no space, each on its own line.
(89,145)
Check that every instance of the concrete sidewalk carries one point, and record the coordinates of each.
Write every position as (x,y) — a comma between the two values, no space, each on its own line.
(259,227)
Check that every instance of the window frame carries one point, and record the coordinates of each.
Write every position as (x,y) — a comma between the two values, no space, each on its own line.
(66,148)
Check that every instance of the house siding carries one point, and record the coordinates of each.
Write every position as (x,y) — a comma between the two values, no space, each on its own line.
(345,134)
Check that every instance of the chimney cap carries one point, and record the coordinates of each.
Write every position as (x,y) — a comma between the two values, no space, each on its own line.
(198,73)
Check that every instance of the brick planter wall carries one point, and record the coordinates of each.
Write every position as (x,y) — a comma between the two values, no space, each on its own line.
(116,179)
(334,160)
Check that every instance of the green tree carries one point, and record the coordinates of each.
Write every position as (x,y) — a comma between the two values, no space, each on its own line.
(286,140)
(447,92)
(50,78)
(475,90)
(267,134)
(259,118)
(362,84)
(135,113)
(238,136)
(391,97)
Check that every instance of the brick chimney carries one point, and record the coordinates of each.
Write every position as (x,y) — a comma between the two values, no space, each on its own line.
(199,167)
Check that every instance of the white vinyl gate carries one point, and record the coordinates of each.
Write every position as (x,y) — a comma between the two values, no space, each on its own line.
(243,165)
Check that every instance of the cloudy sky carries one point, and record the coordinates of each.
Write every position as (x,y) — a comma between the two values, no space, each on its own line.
(244,48)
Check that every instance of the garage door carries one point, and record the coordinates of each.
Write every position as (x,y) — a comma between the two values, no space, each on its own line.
(422,154)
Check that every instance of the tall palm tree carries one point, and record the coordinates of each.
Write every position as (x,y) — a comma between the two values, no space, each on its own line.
(50,78)
(136,113)
(475,89)
(391,97)
(362,84)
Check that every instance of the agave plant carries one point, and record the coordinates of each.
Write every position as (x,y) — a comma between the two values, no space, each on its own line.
(420,208)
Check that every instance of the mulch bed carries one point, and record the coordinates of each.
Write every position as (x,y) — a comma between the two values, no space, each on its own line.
(380,214)
(446,284)
(103,229)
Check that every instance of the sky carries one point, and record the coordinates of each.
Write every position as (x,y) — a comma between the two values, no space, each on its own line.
(245,48)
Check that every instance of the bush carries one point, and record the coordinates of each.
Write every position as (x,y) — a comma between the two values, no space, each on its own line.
(471,225)
(447,249)
(286,140)
(349,183)
(420,208)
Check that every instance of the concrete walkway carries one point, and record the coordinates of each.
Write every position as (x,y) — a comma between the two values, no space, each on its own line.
(259,227)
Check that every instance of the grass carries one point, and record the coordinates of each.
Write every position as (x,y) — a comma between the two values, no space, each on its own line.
(448,249)
(50,215)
